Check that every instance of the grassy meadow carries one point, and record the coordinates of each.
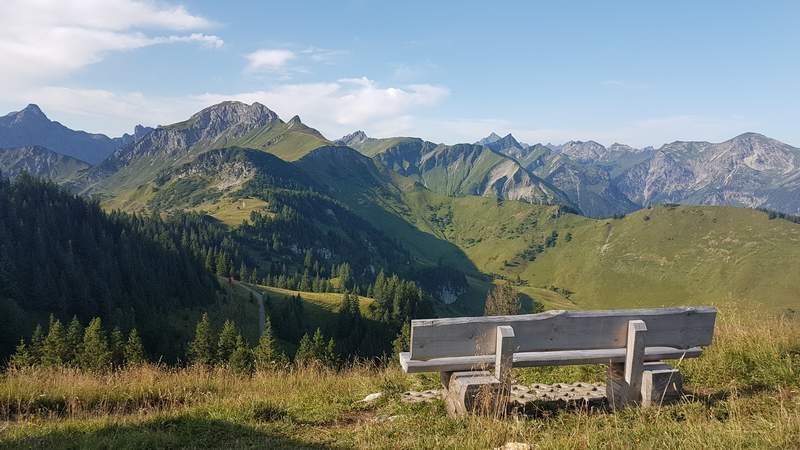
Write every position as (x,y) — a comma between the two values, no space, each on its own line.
(743,393)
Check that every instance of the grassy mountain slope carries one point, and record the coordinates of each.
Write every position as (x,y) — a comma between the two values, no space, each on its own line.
(664,255)
(226,125)
(744,394)
(658,256)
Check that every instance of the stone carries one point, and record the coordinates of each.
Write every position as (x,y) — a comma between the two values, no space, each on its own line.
(371,397)
(660,384)
(475,392)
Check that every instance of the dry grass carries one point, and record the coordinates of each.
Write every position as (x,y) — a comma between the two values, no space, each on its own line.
(746,394)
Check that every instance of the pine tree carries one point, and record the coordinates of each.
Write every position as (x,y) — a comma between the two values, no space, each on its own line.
(305,351)
(403,339)
(227,342)
(502,301)
(266,354)
(54,350)
(243,272)
(329,357)
(37,345)
(223,268)
(241,360)
(22,356)
(201,350)
(74,340)
(117,343)
(210,262)
(95,352)
(134,350)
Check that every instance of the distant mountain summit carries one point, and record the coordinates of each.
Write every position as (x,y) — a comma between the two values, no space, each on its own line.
(354,139)
(39,162)
(31,127)
(229,124)
(749,170)
(491,138)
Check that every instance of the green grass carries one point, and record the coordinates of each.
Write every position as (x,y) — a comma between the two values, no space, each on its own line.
(685,255)
(328,301)
(744,392)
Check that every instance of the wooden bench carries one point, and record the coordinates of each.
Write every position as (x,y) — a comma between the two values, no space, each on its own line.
(632,342)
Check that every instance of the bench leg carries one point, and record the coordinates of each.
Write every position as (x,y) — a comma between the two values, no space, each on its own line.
(624,383)
(660,384)
(444,378)
(483,392)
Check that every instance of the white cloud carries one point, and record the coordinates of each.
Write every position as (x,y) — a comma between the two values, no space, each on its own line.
(339,107)
(335,108)
(49,39)
(269,60)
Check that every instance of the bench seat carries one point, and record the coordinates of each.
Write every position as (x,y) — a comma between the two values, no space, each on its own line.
(547,358)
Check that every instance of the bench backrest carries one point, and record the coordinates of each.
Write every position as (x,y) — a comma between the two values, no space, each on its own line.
(682,328)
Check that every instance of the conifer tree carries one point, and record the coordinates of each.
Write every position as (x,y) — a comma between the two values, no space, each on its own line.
(74,339)
(134,350)
(202,350)
(117,344)
(266,354)
(227,342)
(243,272)
(329,357)
(54,351)
(305,351)
(37,344)
(241,360)
(501,301)
(95,352)
(22,356)
(403,339)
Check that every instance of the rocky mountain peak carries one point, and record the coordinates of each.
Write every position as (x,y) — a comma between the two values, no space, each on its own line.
(294,122)
(33,111)
(353,139)
(491,138)
(583,150)
(229,113)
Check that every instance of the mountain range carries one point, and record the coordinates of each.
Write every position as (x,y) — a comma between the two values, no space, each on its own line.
(749,170)
(493,209)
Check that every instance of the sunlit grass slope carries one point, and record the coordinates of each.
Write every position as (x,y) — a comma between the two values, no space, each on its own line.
(744,392)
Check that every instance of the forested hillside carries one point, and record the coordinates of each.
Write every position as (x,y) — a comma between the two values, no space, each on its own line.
(63,255)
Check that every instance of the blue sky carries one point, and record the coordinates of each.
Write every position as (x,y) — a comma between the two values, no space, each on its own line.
(642,73)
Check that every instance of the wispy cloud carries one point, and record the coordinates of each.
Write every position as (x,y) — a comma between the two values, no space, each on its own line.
(269,60)
(288,61)
(49,39)
(335,108)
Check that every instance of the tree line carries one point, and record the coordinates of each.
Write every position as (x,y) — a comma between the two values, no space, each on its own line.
(62,254)
(90,347)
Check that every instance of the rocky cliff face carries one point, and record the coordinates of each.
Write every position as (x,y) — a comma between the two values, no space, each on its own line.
(39,162)
(749,170)
(469,169)
(227,120)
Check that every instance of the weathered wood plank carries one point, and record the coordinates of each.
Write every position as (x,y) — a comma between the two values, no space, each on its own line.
(536,359)
(504,358)
(683,327)
(634,359)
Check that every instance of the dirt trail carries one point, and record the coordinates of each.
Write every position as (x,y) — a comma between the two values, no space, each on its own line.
(262,322)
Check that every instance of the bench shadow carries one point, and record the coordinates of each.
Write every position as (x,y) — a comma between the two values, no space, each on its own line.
(539,409)
(174,433)
(713,398)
